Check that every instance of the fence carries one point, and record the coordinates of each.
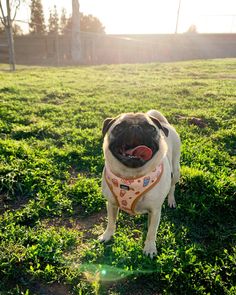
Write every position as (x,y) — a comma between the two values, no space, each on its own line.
(106,49)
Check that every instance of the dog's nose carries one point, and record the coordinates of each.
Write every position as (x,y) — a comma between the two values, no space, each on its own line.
(135,134)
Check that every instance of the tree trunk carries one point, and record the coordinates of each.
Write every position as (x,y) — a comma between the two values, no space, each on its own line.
(75,34)
(10,38)
(11,48)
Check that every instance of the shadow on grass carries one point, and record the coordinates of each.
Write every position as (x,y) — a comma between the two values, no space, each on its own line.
(193,242)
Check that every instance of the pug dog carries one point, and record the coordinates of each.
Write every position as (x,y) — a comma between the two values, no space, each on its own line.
(142,156)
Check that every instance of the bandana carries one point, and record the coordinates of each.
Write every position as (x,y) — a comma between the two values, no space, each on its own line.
(127,192)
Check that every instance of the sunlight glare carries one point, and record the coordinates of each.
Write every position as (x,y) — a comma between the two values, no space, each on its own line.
(152,16)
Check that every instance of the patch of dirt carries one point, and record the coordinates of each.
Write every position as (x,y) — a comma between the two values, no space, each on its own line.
(74,173)
(6,204)
(2,203)
(136,287)
(85,224)
(201,123)
(35,288)
(226,77)
(52,289)
(198,122)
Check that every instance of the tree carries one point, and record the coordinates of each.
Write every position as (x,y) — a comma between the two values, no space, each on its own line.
(68,26)
(63,21)
(88,23)
(53,22)
(192,30)
(7,19)
(37,23)
(17,30)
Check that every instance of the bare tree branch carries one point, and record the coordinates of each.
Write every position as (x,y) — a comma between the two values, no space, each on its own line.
(11,5)
(17,6)
(3,18)
(2,21)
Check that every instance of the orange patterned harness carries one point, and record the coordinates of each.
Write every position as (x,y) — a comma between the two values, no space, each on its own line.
(127,192)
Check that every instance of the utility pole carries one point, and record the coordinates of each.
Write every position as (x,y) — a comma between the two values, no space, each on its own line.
(177,20)
(75,34)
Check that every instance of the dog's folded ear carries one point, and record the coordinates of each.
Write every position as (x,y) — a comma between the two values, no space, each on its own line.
(107,124)
(158,124)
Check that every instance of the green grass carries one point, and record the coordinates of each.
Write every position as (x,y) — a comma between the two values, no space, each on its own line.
(51,161)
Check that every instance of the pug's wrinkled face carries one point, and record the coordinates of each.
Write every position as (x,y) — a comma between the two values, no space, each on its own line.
(133,139)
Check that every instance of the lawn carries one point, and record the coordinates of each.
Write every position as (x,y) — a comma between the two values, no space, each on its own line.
(51,207)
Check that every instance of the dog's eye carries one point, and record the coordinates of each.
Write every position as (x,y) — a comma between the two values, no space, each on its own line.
(118,128)
(153,128)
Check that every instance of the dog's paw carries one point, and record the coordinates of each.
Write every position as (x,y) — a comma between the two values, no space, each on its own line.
(105,237)
(171,201)
(150,249)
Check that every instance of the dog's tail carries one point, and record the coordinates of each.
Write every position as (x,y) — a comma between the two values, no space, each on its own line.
(158,116)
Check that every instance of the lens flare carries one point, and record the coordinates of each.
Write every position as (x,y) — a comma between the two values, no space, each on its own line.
(106,273)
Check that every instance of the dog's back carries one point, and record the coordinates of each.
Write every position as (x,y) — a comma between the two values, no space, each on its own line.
(173,143)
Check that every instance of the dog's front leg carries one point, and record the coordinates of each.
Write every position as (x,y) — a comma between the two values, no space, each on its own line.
(112,212)
(153,223)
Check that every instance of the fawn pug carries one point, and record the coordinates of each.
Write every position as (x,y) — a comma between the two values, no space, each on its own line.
(142,154)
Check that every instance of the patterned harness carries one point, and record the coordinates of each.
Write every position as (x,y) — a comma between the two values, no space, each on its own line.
(127,192)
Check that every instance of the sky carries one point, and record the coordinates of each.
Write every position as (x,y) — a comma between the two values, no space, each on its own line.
(152,16)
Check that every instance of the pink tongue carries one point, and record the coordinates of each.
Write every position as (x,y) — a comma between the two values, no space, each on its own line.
(140,151)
